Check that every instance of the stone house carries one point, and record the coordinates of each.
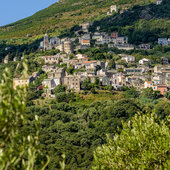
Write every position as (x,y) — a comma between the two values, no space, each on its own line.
(72,82)
(134,71)
(122,46)
(85,26)
(49,84)
(145,46)
(127,58)
(114,35)
(47,68)
(51,59)
(122,40)
(22,82)
(165,60)
(115,80)
(58,76)
(68,46)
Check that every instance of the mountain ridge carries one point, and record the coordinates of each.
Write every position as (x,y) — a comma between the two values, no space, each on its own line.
(62,15)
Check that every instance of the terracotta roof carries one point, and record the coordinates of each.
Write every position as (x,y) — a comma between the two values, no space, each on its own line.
(86,62)
(87,41)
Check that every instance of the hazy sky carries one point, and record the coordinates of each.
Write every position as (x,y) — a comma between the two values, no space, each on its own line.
(14,10)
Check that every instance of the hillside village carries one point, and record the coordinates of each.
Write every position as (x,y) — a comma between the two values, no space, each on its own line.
(141,76)
(85,84)
(125,72)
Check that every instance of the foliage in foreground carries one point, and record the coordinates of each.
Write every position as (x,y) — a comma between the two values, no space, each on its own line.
(143,143)
(17,151)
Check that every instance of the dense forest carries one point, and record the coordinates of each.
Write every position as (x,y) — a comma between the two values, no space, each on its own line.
(76,124)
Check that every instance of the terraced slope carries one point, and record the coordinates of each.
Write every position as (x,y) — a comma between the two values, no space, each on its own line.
(63,15)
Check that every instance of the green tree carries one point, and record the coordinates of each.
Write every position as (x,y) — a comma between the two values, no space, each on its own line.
(167,95)
(142,144)
(17,149)
(132,93)
(111,64)
(147,93)
(86,85)
(59,89)
(70,70)
(162,109)
(61,97)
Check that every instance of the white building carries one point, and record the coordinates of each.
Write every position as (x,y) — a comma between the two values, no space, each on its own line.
(122,40)
(145,61)
(128,59)
(158,2)
(113,8)
(163,41)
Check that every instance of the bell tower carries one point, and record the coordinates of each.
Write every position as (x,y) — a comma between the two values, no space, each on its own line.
(46,42)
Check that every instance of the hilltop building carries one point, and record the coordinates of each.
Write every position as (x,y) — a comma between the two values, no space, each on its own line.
(113,8)
(85,26)
(48,43)
(158,2)
(56,43)
(68,46)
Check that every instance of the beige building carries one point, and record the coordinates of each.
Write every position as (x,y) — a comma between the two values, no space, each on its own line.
(49,84)
(68,46)
(21,82)
(51,59)
(72,82)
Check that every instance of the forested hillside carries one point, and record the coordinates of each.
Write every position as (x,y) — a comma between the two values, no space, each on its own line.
(59,16)
(141,24)
(77,124)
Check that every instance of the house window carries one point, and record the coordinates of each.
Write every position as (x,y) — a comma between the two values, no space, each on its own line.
(151,84)
(154,88)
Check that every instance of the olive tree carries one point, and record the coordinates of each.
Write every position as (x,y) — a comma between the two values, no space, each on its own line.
(18,150)
(144,143)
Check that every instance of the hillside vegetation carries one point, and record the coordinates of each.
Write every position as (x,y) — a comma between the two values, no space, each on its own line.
(63,15)
(141,24)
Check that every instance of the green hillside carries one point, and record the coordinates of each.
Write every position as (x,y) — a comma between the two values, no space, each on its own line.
(141,23)
(63,15)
